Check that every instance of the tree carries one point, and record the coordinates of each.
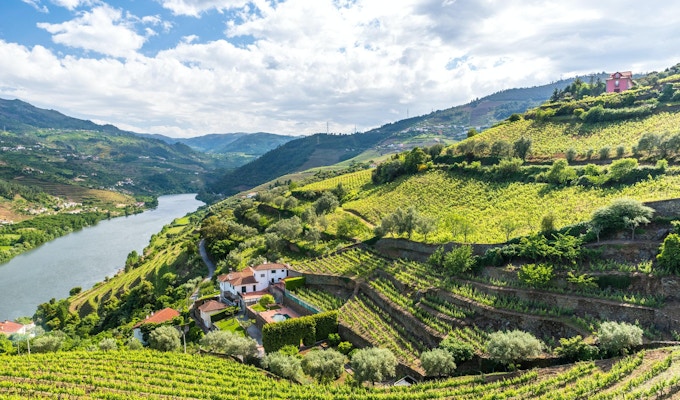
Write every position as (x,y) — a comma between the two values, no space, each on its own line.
(266,300)
(108,344)
(437,362)
(512,346)
(500,148)
(415,160)
(622,168)
(323,365)
(47,343)
(326,204)
(164,338)
(521,147)
(559,174)
(621,214)
(618,337)
(290,203)
(669,254)
(460,350)
(373,364)
(229,343)
(576,349)
(508,226)
(283,365)
(349,226)
(289,229)
(548,222)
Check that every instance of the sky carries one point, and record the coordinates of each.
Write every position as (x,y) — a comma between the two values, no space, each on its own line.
(186,68)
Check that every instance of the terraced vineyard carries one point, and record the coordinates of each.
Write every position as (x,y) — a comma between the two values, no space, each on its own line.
(148,374)
(323,300)
(352,262)
(350,182)
(549,139)
(489,204)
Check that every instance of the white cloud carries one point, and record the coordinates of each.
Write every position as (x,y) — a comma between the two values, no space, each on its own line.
(195,8)
(37,5)
(73,4)
(290,67)
(103,30)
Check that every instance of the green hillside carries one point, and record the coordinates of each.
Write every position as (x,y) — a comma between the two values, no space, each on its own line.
(145,374)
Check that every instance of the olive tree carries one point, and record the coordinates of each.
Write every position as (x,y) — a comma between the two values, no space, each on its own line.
(164,338)
(618,337)
(373,364)
(323,365)
(229,343)
(513,346)
(437,362)
(284,365)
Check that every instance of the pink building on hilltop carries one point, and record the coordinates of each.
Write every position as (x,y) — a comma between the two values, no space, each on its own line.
(619,82)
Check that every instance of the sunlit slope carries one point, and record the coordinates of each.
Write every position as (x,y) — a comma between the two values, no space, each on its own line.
(450,196)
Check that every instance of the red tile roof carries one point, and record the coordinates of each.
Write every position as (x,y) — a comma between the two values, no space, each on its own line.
(10,327)
(239,278)
(624,74)
(269,266)
(161,316)
(212,305)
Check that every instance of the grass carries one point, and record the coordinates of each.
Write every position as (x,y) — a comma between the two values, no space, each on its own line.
(257,307)
(230,325)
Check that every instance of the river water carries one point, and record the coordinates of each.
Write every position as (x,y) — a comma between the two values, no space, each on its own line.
(82,258)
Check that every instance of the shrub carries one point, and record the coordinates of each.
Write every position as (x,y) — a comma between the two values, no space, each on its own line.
(622,169)
(108,344)
(459,260)
(134,344)
(669,254)
(289,350)
(535,275)
(615,216)
(513,346)
(345,347)
(229,343)
(618,337)
(575,349)
(334,339)
(570,155)
(373,364)
(47,343)
(437,362)
(266,300)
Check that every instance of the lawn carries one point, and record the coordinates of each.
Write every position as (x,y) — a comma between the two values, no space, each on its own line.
(230,325)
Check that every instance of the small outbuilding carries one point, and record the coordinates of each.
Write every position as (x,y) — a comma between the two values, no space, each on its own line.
(619,82)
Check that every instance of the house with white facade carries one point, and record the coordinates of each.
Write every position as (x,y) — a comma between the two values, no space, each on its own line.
(9,328)
(246,285)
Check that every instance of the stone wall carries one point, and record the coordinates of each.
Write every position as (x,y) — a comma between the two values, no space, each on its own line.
(500,319)
(409,250)
(665,208)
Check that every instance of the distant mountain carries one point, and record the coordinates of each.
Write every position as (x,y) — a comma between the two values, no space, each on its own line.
(52,147)
(253,144)
(440,126)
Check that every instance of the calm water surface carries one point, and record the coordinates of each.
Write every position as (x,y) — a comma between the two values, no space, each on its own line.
(82,258)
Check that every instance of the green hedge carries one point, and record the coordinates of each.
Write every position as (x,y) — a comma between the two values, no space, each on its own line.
(308,330)
(288,332)
(294,283)
(326,323)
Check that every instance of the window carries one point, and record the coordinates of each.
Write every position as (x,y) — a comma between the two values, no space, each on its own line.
(261,275)
(283,270)
(243,289)
(253,288)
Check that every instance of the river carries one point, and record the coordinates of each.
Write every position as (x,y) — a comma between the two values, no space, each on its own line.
(82,258)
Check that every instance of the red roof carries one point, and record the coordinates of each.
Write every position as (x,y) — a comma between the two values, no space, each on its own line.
(10,327)
(161,316)
(269,266)
(239,278)
(624,74)
(212,305)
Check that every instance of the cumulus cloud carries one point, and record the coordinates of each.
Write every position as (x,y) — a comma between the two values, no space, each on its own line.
(103,30)
(73,4)
(291,66)
(195,8)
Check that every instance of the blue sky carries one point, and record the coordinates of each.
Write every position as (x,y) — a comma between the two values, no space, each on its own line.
(191,67)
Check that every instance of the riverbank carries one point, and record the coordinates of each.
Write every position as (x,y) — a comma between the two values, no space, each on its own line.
(83,258)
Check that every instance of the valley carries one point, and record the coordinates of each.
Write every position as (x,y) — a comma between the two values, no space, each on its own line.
(535,259)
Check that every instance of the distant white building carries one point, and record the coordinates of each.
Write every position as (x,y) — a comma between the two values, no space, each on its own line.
(246,284)
(208,309)
(159,317)
(9,328)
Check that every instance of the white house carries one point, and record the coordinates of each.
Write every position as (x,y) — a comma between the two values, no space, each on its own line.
(159,317)
(208,309)
(10,328)
(235,285)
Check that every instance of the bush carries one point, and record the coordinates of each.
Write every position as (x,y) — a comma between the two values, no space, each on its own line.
(618,337)
(373,364)
(108,344)
(323,365)
(229,343)
(437,362)
(266,300)
(513,346)
(575,349)
(344,347)
(47,343)
(460,351)
(334,339)
(308,329)
(669,254)
(459,260)
(535,275)
(619,213)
